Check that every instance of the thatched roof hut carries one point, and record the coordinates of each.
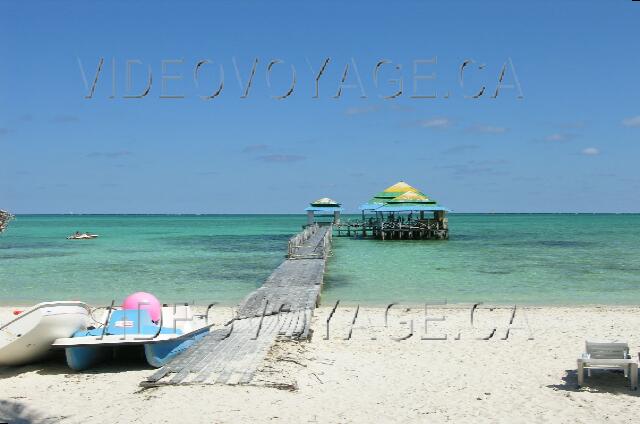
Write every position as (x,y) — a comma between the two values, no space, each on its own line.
(325,202)
(401,197)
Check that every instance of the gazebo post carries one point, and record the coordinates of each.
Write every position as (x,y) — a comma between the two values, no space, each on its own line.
(319,210)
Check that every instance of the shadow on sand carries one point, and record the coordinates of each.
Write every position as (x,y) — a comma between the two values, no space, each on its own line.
(55,364)
(19,413)
(601,381)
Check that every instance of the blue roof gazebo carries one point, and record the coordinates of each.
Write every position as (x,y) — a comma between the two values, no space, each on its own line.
(392,201)
(401,212)
(323,207)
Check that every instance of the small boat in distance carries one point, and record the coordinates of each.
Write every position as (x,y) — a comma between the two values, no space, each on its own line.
(82,236)
(28,337)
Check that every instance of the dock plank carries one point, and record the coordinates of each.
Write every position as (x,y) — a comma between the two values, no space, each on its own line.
(282,306)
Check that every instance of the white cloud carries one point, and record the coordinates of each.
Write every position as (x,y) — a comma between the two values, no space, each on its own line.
(634,121)
(590,151)
(435,123)
(557,137)
(488,129)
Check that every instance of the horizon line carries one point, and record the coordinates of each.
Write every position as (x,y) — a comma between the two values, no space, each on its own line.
(302,214)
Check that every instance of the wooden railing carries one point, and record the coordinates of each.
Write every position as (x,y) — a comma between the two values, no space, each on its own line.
(319,251)
(297,241)
(413,225)
(326,242)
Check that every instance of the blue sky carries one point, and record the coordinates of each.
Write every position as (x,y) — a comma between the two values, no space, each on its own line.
(571,144)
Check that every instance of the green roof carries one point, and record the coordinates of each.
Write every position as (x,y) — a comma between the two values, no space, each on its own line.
(412,198)
(399,195)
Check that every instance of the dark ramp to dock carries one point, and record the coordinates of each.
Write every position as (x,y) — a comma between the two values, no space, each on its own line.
(281,307)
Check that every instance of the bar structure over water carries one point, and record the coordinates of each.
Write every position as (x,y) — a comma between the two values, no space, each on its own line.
(399,212)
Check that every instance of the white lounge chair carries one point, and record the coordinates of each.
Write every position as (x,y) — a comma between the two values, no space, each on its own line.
(603,355)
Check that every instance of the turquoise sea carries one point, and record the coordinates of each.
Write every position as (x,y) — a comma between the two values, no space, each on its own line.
(501,258)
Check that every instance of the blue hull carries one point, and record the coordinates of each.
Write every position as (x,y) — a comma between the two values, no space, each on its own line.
(80,358)
(158,354)
(83,357)
(138,324)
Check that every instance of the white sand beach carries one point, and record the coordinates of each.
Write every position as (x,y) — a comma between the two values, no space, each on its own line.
(365,380)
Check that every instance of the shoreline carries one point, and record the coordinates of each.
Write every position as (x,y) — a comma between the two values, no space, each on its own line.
(413,305)
(354,213)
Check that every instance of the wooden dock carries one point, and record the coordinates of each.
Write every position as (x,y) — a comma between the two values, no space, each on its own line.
(424,229)
(281,307)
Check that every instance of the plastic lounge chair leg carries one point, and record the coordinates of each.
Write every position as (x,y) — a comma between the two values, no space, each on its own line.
(634,376)
(580,374)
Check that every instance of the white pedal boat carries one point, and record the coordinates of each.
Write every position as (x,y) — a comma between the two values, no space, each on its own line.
(28,337)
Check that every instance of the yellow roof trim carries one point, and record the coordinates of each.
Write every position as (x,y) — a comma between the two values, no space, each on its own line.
(400,187)
(411,195)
